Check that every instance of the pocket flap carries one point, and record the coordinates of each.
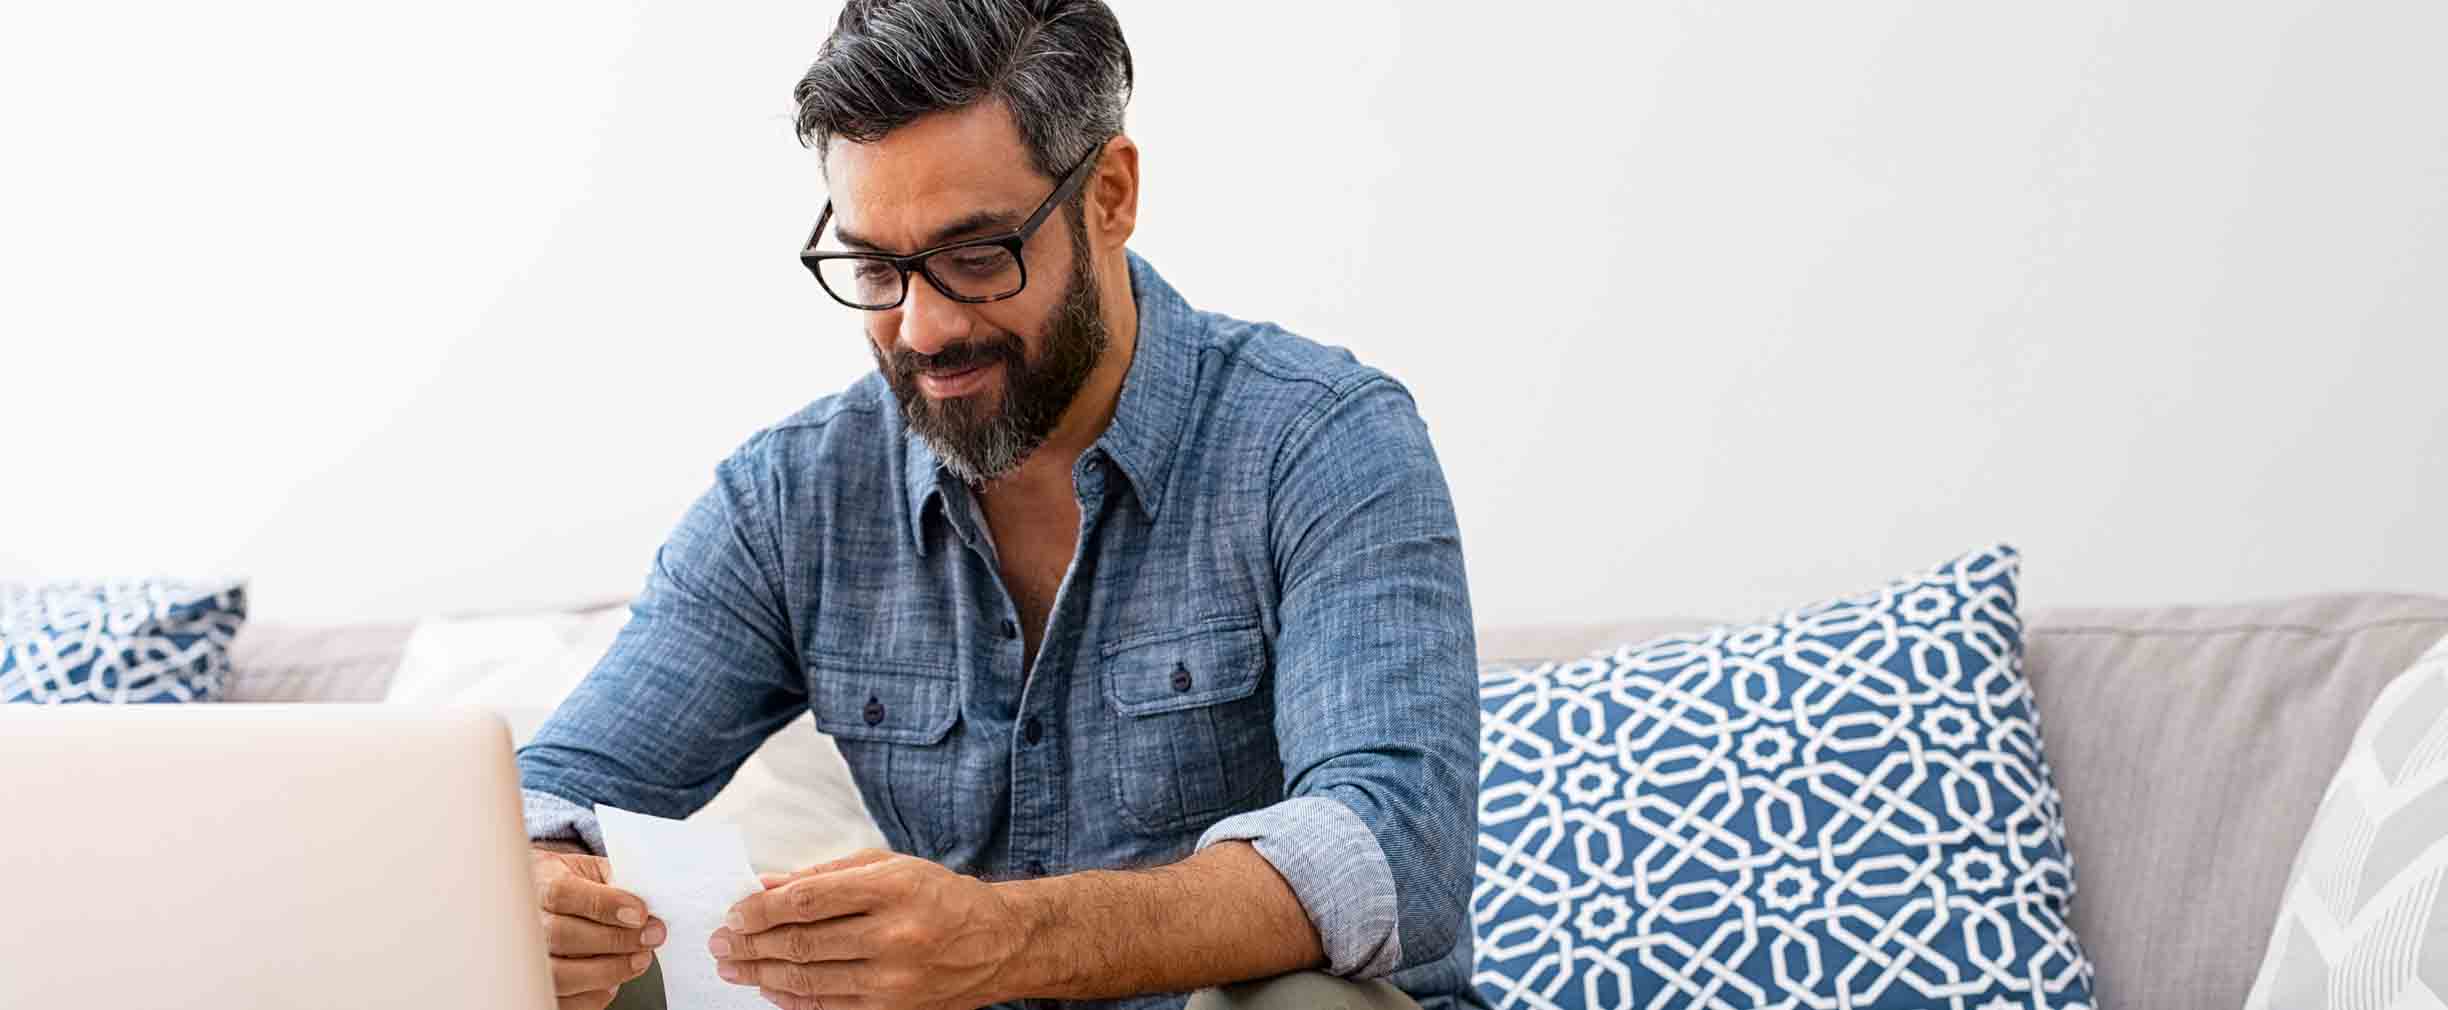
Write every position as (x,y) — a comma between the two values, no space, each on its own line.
(893,703)
(1189,669)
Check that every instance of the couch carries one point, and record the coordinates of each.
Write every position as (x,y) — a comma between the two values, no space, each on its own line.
(2191,745)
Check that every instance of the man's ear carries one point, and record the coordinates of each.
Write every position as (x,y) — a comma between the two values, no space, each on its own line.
(1113,193)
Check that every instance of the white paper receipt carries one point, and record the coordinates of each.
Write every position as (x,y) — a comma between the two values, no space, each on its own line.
(690,874)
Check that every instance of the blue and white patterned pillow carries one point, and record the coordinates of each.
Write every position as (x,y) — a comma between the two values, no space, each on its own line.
(119,641)
(1845,806)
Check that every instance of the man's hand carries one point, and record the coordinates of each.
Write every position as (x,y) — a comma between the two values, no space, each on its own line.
(874,930)
(599,935)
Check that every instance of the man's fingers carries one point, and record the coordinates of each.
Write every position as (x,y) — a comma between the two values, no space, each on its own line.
(822,979)
(794,1001)
(860,858)
(571,936)
(597,1000)
(787,1001)
(568,894)
(595,868)
(850,938)
(855,859)
(810,899)
(574,975)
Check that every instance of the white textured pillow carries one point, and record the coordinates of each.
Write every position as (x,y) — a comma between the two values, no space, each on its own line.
(793,799)
(2364,924)
(519,666)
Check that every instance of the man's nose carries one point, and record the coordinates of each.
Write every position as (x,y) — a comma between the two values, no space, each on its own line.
(931,322)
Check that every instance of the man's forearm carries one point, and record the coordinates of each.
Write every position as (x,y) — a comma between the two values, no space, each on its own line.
(1221,916)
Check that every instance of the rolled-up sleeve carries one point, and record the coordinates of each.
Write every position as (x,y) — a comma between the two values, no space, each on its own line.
(1336,869)
(1376,702)
(553,819)
(702,674)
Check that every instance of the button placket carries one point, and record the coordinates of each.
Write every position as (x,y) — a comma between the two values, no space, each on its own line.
(1038,775)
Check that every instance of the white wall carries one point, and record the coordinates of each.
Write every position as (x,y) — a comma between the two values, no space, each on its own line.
(1711,307)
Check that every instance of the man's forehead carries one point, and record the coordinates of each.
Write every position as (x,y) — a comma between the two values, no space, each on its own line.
(905,189)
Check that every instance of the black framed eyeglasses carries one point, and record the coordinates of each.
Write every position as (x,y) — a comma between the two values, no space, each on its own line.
(971,270)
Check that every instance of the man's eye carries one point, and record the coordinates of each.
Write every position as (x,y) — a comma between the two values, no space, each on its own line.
(979,262)
(873,270)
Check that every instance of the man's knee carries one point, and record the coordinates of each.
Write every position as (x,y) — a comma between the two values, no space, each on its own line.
(1303,990)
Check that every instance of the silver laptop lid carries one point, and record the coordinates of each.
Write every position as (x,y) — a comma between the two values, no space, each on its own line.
(263,856)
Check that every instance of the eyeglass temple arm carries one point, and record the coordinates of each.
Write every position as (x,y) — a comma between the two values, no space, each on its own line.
(1072,181)
(818,232)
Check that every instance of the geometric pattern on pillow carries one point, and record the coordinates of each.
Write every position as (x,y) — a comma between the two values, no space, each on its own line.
(119,641)
(1844,806)
(2363,925)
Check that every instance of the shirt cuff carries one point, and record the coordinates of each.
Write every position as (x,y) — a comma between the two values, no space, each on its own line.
(553,819)
(1336,869)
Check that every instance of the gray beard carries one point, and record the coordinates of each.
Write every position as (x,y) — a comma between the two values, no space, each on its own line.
(980,440)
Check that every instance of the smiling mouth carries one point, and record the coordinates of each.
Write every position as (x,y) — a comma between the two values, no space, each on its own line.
(961,382)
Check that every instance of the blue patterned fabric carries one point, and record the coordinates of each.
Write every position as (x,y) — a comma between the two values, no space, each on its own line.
(117,642)
(1846,806)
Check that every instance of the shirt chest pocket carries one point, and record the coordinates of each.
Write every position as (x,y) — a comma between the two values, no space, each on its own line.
(1194,735)
(893,723)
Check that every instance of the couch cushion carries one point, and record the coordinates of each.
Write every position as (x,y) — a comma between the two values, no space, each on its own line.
(2192,745)
(1847,804)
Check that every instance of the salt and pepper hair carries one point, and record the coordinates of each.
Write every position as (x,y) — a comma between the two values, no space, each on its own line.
(1060,66)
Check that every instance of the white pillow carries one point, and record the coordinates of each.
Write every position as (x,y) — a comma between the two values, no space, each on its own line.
(793,799)
(519,666)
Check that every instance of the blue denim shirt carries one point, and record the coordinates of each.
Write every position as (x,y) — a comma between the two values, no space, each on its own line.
(1264,636)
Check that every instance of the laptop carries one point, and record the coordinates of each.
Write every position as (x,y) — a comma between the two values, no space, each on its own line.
(263,857)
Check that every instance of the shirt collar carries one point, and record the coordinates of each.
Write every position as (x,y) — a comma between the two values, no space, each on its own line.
(1148,418)
(922,475)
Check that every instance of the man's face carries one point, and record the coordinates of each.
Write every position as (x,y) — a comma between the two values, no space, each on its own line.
(982,383)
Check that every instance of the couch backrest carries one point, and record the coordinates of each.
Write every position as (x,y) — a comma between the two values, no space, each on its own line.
(271,662)
(2191,745)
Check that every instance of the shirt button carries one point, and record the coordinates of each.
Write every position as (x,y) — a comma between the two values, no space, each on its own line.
(1010,629)
(1181,678)
(875,711)
(1032,731)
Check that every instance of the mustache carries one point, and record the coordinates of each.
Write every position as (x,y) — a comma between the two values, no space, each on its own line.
(958,357)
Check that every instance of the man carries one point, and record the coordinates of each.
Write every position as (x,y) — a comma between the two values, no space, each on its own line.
(1143,629)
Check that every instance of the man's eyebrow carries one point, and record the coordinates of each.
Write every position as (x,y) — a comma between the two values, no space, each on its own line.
(984,221)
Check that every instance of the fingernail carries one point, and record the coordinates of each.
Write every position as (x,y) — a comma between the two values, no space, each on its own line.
(653,936)
(734,920)
(637,962)
(720,946)
(630,917)
(730,971)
